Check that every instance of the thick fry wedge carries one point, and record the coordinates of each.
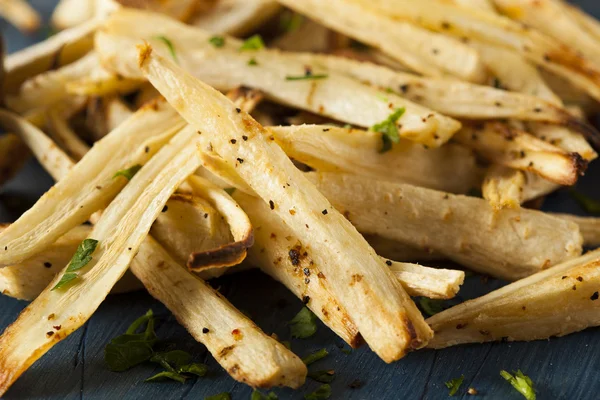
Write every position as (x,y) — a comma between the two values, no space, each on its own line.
(555,302)
(56,51)
(449,168)
(386,317)
(589,227)
(20,14)
(236,17)
(335,96)
(516,149)
(13,155)
(495,29)
(503,187)
(119,232)
(508,244)
(90,186)
(537,14)
(27,280)
(428,53)
(70,13)
(250,357)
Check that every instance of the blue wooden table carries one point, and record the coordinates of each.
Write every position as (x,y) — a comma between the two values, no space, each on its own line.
(563,368)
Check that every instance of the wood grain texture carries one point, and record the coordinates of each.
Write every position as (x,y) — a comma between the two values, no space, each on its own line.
(565,368)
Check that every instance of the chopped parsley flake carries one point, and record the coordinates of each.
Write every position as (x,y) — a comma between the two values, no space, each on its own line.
(454,384)
(322,393)
(252,62)
(169,45)
(256,395)
(304,324)
(326,376)
(217,41)
(431,306)
(316,356)
(129,172)
(82,256)
(521,383)
(254,42)
(220,396)
(389,129)
(306,77)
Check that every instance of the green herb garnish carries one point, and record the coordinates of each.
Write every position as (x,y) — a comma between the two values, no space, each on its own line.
(220,396)
(254,42)
(306,77)
(130,349)
(304,324)
(389,129)
(590,205)
(521,383)
(454,384)
(252,62)
(256,395)
(431,306)
(169,45)
(129,172)
(325,376)
(217,41)
(290,21)
(82,256)
(316,356)
(322,393)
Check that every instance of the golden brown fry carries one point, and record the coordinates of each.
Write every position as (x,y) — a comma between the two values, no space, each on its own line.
(503,187)
(509,244)
(387,318)
(555,302)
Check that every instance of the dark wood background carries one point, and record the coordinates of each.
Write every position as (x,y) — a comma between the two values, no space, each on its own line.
(563,368)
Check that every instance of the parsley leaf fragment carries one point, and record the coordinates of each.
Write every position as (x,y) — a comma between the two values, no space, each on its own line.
(322,393)
(82,256)
(252,62)
(325,376)
(454,384)
(217,41)
(314,357)
(254,42)
(389,129)
(590,205)
(128,173)
(522,383)
(220,396)
(431,306)
(256,395)
(169,45)
(167,375)
(304,324)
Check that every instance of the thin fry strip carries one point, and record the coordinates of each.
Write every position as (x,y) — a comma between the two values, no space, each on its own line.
(555,302)
(516,149)
(64,136)
(335,96)
(428,53)
(508,244)
(70,13)
(71,201)
(20,14)
(387,318)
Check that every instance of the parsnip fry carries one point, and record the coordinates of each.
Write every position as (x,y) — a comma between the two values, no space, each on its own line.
(236,17)
(509,244)
(428,53)
(450,168)
(56,51)
(251,356)
(386,317)
(27,280)
(589,23)
(20,14)
(589,227)
(70,13)
(13,155)
(503,187)
(281,78)
(555,302)
(119,232)
(514,148)
(495,29)
(91,185)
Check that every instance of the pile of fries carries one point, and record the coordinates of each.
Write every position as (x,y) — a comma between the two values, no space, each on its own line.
(333,158)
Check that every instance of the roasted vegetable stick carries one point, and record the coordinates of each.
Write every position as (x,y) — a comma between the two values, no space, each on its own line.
(90,186)
(280,78)
(555,302)
(386,317)
(64,136)
(428,53)
(236,17)
(70,13)
(503,187)
(589,227)
(27,280)
(589,23)
(516,149)
(450,168)
(508,244)
(498,30)
(20,14)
